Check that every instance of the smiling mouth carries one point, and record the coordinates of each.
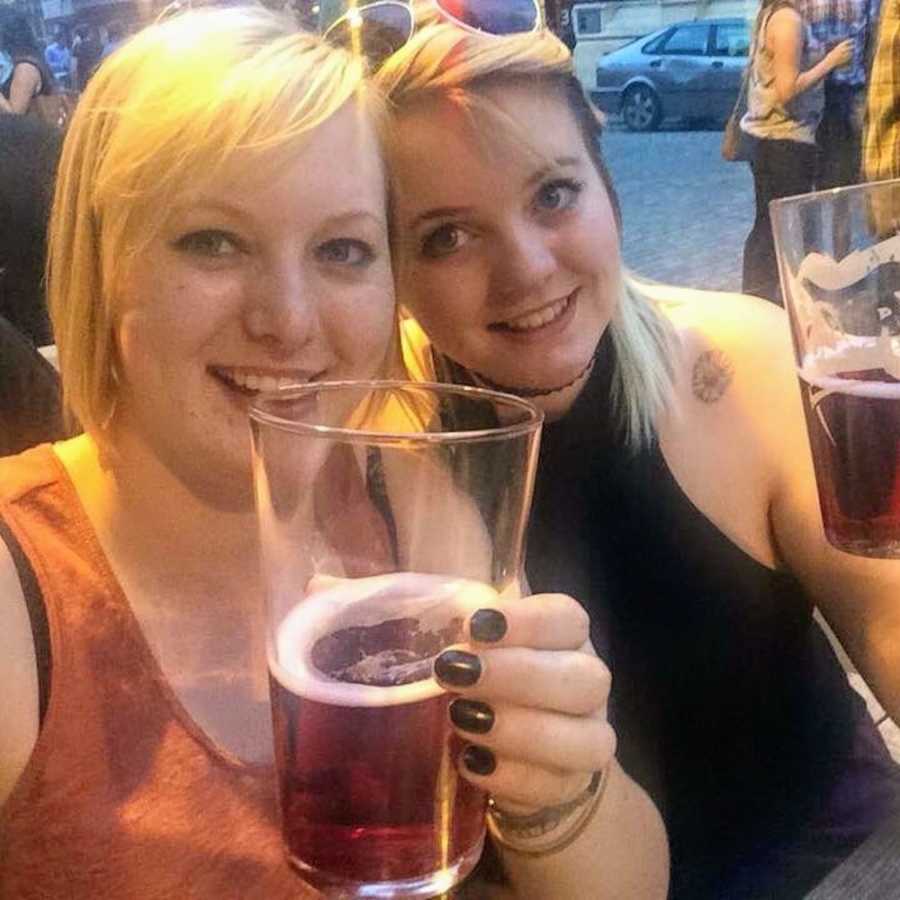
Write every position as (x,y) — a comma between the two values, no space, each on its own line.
(534,321)
(252,383)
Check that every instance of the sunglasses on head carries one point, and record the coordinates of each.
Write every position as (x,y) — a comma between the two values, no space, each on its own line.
(380,28)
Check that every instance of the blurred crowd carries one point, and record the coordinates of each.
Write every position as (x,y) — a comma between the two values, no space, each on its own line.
(67,60)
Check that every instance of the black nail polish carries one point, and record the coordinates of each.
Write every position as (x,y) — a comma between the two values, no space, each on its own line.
(487,625)
(479,760)
(470,715)
(457,668)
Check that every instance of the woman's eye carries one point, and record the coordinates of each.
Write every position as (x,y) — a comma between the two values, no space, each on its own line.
(346,252)
(556,196)
(443,241)
(208,243)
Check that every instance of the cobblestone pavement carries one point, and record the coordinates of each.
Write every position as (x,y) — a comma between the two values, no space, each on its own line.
(686,211)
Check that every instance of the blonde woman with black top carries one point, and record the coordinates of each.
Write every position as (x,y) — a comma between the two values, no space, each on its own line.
(675,495)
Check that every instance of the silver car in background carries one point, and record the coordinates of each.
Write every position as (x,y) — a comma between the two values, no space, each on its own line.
(689,70)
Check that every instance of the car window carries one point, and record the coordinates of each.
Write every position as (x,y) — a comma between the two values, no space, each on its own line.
(655,45)
(687,40)
(732,39)
(587,22)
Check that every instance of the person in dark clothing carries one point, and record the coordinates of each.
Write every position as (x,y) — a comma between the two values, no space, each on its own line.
(839,135)
(30,410)
(87,52)
(30,75)
(675,495)
(29,151)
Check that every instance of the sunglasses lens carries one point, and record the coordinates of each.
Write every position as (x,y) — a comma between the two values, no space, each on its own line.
(494,16)
(376,31)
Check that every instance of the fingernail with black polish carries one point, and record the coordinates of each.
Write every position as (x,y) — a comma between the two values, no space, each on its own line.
(457,668)
(479,760)
(487,625)
(470,715)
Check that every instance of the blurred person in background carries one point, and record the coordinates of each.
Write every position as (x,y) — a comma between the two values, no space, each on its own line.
(115,35)
(881,151)
(839,135)
(30,75)
(29,150)
(87,50)
(58,56)
(30,403)
(6,66)
(785,100)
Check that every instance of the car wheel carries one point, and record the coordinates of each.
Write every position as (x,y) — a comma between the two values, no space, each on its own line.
(641,109)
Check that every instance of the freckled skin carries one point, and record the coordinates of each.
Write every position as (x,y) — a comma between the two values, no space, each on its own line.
(248,273)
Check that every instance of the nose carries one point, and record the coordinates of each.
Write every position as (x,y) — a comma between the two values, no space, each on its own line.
(526,260)
(281,310)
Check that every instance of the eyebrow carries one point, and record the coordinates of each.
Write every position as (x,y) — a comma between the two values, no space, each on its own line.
(439,212)
(238,212)
(561,162)
(451,212)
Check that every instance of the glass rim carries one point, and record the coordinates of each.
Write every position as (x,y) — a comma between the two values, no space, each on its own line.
(532,421)
(816,196)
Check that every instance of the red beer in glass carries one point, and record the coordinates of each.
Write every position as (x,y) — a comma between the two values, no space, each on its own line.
(839,258)
(366,758)
(854,429)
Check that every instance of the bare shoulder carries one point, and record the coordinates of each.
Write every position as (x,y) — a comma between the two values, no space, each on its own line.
(736,409)
(729,343)
(18,675)
(784,22)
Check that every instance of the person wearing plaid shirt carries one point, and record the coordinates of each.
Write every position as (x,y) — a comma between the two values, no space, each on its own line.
(881,156)
(839,134)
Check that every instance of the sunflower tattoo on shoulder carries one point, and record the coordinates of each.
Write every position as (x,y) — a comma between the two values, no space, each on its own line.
(713,373)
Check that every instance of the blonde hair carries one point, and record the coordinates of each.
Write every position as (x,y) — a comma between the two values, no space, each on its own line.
(172,108)
(447,62)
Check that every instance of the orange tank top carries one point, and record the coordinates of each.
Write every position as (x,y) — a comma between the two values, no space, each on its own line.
(123,797)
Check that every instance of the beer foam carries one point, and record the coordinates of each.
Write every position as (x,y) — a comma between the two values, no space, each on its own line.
(433,600)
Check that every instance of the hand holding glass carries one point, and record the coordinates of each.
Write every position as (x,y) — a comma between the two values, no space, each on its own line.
(388,513)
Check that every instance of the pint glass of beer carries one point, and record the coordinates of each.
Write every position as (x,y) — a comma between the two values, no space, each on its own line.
(388,513)
(839,260)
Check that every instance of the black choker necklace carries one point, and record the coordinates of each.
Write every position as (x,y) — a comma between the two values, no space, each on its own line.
(529,393)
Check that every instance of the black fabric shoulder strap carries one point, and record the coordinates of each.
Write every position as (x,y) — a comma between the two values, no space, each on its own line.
(37,613)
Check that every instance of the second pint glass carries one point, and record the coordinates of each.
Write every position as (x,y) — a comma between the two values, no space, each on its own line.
(388,513)
(839,257)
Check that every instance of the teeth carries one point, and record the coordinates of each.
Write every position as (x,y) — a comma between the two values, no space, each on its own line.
(258,382)
(540,318)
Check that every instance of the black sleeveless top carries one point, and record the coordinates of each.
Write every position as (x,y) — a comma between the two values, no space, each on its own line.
(730,706)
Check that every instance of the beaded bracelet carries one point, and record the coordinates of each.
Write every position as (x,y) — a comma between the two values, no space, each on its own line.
(523,833)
